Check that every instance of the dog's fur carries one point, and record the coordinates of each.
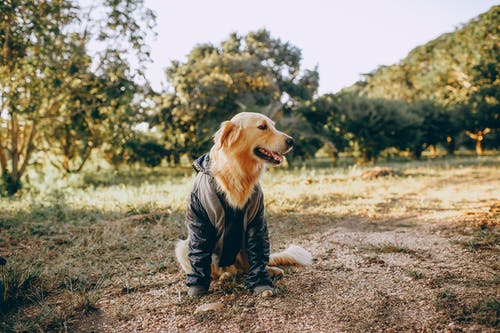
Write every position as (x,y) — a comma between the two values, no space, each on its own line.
(237,168)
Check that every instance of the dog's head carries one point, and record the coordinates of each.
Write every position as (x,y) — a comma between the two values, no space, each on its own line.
(254,136)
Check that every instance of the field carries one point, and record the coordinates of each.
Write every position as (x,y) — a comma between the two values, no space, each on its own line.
(415,248)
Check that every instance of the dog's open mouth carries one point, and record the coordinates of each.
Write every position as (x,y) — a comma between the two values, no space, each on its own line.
(270,156)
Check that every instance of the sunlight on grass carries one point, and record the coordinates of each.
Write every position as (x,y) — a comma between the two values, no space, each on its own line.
(77,241)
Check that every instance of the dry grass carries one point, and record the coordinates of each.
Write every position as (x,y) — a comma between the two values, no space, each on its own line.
(412,249)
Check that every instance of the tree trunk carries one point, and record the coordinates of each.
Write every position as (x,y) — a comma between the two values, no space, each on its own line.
(450,145)
(11,184)
(21,148)
(479,137)
(3,157)
(177,159)
(433,150)
(417,153)
(367,156)
(334,157)
(14,136)
(69,168)
(479,147)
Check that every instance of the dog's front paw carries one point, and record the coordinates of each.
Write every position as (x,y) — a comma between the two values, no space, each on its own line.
(197,291)
(267,293)
(225,276)
(264,291)
(275,272)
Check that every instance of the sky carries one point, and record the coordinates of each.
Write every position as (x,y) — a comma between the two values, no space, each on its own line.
(344,38)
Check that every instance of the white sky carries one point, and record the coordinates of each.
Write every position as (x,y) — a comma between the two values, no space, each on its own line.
(345,38)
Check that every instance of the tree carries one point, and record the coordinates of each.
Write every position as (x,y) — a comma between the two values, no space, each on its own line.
(438,126)
(209,88)
(457,70)
(145,150)
(321,125)
(283,60)
(248,72)
(441,70)
(482,116)
(44,64)
(28,70)
(373,125)
(104,108)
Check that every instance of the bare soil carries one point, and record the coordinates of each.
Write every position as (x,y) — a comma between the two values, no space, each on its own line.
(393,254)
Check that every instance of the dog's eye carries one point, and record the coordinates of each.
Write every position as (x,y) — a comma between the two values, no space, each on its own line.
(262,127)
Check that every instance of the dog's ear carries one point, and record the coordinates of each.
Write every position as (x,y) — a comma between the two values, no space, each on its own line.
(227,134)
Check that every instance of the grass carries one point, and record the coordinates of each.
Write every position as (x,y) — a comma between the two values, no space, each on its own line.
(484,311)
(77,242)
(414,274)
(483,239)
(390,247)
(72,242)
(17,283)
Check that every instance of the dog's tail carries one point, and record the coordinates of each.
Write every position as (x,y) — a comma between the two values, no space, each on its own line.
(181,252)
(294,255)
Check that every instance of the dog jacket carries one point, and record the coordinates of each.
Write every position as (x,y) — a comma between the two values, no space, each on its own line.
(217,232)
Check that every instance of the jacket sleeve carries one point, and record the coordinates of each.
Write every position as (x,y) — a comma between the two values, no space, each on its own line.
(257,247)
(202,239)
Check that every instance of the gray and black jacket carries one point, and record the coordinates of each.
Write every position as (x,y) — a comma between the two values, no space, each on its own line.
(218,232)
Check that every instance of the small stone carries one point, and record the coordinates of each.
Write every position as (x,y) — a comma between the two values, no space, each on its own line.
(208,307)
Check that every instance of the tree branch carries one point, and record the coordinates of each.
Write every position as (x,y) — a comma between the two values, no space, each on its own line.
(14,145)
(29,150)
(84,159)
(471,135)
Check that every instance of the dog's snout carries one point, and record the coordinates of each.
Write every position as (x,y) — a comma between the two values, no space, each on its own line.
(290,142)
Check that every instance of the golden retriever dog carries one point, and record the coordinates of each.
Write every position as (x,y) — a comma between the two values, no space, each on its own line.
(225,217)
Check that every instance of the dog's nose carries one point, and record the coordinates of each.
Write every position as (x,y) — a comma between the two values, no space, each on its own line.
(290,142)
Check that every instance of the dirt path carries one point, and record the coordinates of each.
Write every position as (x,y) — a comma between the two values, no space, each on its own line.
(401,279)
(422,270)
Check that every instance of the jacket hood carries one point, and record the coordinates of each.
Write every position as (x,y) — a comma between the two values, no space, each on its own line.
(201,163)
